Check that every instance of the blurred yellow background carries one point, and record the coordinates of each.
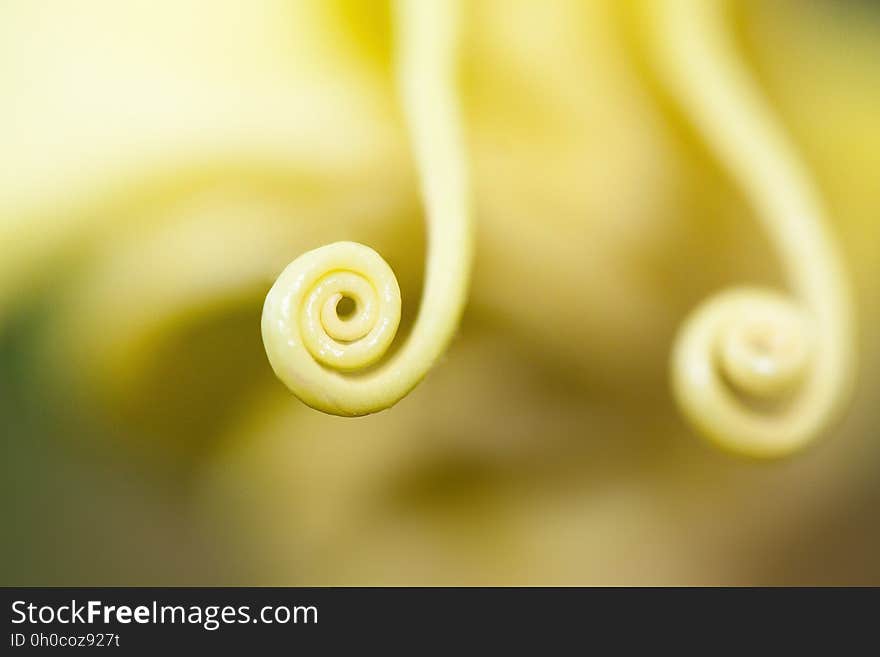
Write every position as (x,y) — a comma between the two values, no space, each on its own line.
(161,162)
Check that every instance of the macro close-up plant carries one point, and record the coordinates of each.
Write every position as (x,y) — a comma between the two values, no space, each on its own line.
(421,292)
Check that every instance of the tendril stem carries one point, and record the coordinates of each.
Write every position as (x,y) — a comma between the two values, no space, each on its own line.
(317,352)
(755,372)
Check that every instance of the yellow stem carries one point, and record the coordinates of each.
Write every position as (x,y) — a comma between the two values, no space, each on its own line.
(746,347)
(313,350)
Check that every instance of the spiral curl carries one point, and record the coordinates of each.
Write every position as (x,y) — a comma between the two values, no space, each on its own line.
(319,354)
(756,372)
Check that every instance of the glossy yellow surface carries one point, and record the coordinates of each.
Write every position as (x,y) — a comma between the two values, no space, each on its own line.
(310,347)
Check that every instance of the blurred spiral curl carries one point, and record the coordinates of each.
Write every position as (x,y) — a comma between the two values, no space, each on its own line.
(756,372)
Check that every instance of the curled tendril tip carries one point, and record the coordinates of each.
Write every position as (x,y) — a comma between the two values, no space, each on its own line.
(326,356)
(758,372)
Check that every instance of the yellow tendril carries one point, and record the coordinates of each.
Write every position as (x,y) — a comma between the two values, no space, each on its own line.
(756,372)
(313,348)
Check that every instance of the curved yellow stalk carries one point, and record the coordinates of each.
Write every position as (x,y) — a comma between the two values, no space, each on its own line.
(754,371)
(314,349)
